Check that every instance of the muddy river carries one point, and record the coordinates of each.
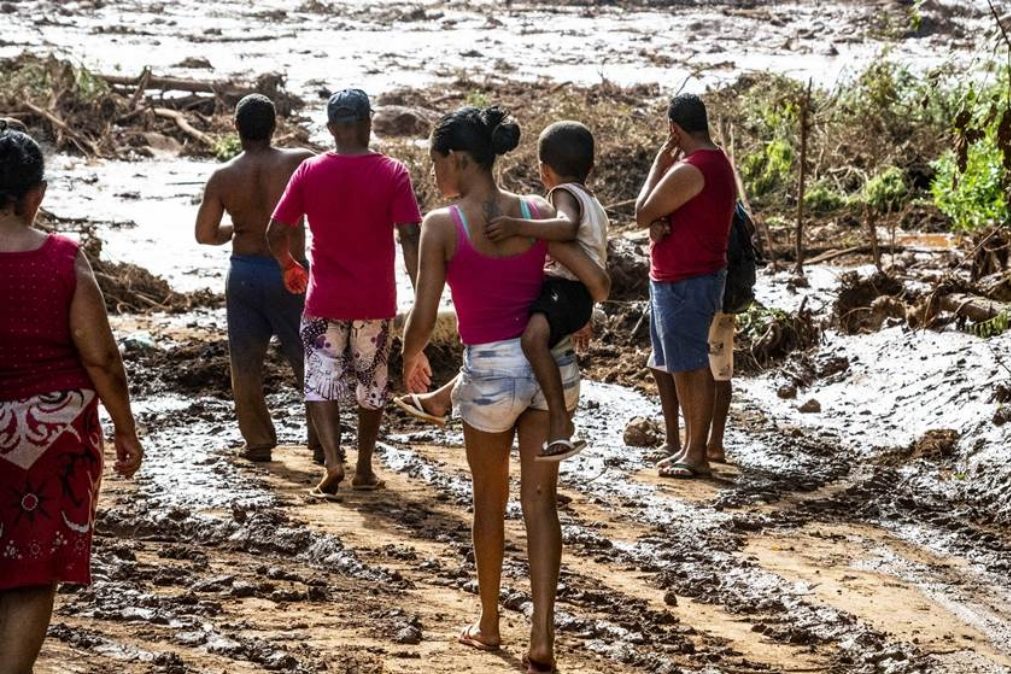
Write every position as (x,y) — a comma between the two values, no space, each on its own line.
(837,541)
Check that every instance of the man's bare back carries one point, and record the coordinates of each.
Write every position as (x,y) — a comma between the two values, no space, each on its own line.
(248,188)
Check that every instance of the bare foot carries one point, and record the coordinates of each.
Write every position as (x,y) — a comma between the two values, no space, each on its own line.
(366,482)
(540,656)
(716,455)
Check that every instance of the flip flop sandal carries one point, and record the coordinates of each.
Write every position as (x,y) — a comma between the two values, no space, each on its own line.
(412,405)
(668,460)
(684,471)
(327,489)
(661,454)
(568,448)
(535,667)
(320,495)
(371,486)
(256,454)
(467,638)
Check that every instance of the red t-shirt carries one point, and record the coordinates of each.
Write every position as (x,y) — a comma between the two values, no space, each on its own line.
(700,229)
(351,203)
(37,352)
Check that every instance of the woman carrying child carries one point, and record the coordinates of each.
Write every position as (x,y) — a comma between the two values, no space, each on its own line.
(494,284)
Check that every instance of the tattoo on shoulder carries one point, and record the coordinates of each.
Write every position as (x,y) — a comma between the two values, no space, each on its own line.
(490,209)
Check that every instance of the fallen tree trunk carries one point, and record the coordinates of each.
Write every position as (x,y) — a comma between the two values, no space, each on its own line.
(178,84)
(270,85)
(973,307)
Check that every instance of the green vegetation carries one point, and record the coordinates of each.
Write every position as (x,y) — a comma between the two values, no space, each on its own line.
(227,146)
(974,198)
(755,322)
(821,198)
(88,86)
(871,140)
(887,191)
(997,325)
(477,99)
(39,78)
(769,168)
(972,183)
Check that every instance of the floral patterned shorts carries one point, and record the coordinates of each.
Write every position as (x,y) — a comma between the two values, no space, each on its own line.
(347,361)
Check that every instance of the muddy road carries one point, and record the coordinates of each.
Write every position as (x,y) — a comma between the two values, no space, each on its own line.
(846,541)
(872,536)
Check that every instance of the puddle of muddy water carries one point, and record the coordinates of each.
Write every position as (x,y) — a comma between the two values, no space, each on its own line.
(191,465)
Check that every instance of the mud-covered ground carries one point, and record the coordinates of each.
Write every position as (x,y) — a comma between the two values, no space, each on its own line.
(852,540)
(873,535)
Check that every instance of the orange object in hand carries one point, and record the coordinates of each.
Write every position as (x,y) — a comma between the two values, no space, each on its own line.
(296,278)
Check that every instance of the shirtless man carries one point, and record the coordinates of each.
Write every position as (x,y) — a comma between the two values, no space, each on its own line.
(248,188)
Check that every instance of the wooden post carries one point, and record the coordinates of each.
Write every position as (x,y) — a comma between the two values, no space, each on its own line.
(870,217)
(805,109)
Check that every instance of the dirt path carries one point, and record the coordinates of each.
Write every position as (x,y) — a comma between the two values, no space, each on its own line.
(743,573)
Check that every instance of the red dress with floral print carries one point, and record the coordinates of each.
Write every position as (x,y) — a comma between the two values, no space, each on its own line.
(50,437)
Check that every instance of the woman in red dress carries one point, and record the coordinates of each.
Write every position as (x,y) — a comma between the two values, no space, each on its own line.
(58,358)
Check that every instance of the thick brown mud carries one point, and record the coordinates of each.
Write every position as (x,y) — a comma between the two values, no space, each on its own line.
(863,525)
(812,552)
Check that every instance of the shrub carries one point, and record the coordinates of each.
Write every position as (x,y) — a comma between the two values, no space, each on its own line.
(886,191)
(227,146)
(821,198)
(974,198)
(973,181)
(767,169)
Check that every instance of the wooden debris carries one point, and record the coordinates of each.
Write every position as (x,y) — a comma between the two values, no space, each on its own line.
(181,121)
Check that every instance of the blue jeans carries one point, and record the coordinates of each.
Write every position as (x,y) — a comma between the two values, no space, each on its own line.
(259,307)
(680,315)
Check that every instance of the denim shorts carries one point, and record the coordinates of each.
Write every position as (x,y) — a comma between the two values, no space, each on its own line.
(680,316)
(497,384)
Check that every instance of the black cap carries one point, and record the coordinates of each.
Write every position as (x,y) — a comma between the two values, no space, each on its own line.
(348,105)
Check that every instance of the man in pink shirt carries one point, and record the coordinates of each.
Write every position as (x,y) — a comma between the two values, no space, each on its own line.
(352,198)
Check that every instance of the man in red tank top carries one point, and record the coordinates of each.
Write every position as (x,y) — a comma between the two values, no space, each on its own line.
(688,203)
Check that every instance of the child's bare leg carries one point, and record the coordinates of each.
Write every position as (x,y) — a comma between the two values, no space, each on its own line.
(439,402)
(721,409)
(535,347)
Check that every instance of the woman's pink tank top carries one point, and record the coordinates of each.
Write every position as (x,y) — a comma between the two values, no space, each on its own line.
(493,295)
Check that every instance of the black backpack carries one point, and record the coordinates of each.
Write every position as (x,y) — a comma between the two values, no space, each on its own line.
(742,264)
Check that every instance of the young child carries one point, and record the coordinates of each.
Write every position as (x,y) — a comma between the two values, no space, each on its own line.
(565,306)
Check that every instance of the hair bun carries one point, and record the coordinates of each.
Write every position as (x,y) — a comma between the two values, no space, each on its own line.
(502,129)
